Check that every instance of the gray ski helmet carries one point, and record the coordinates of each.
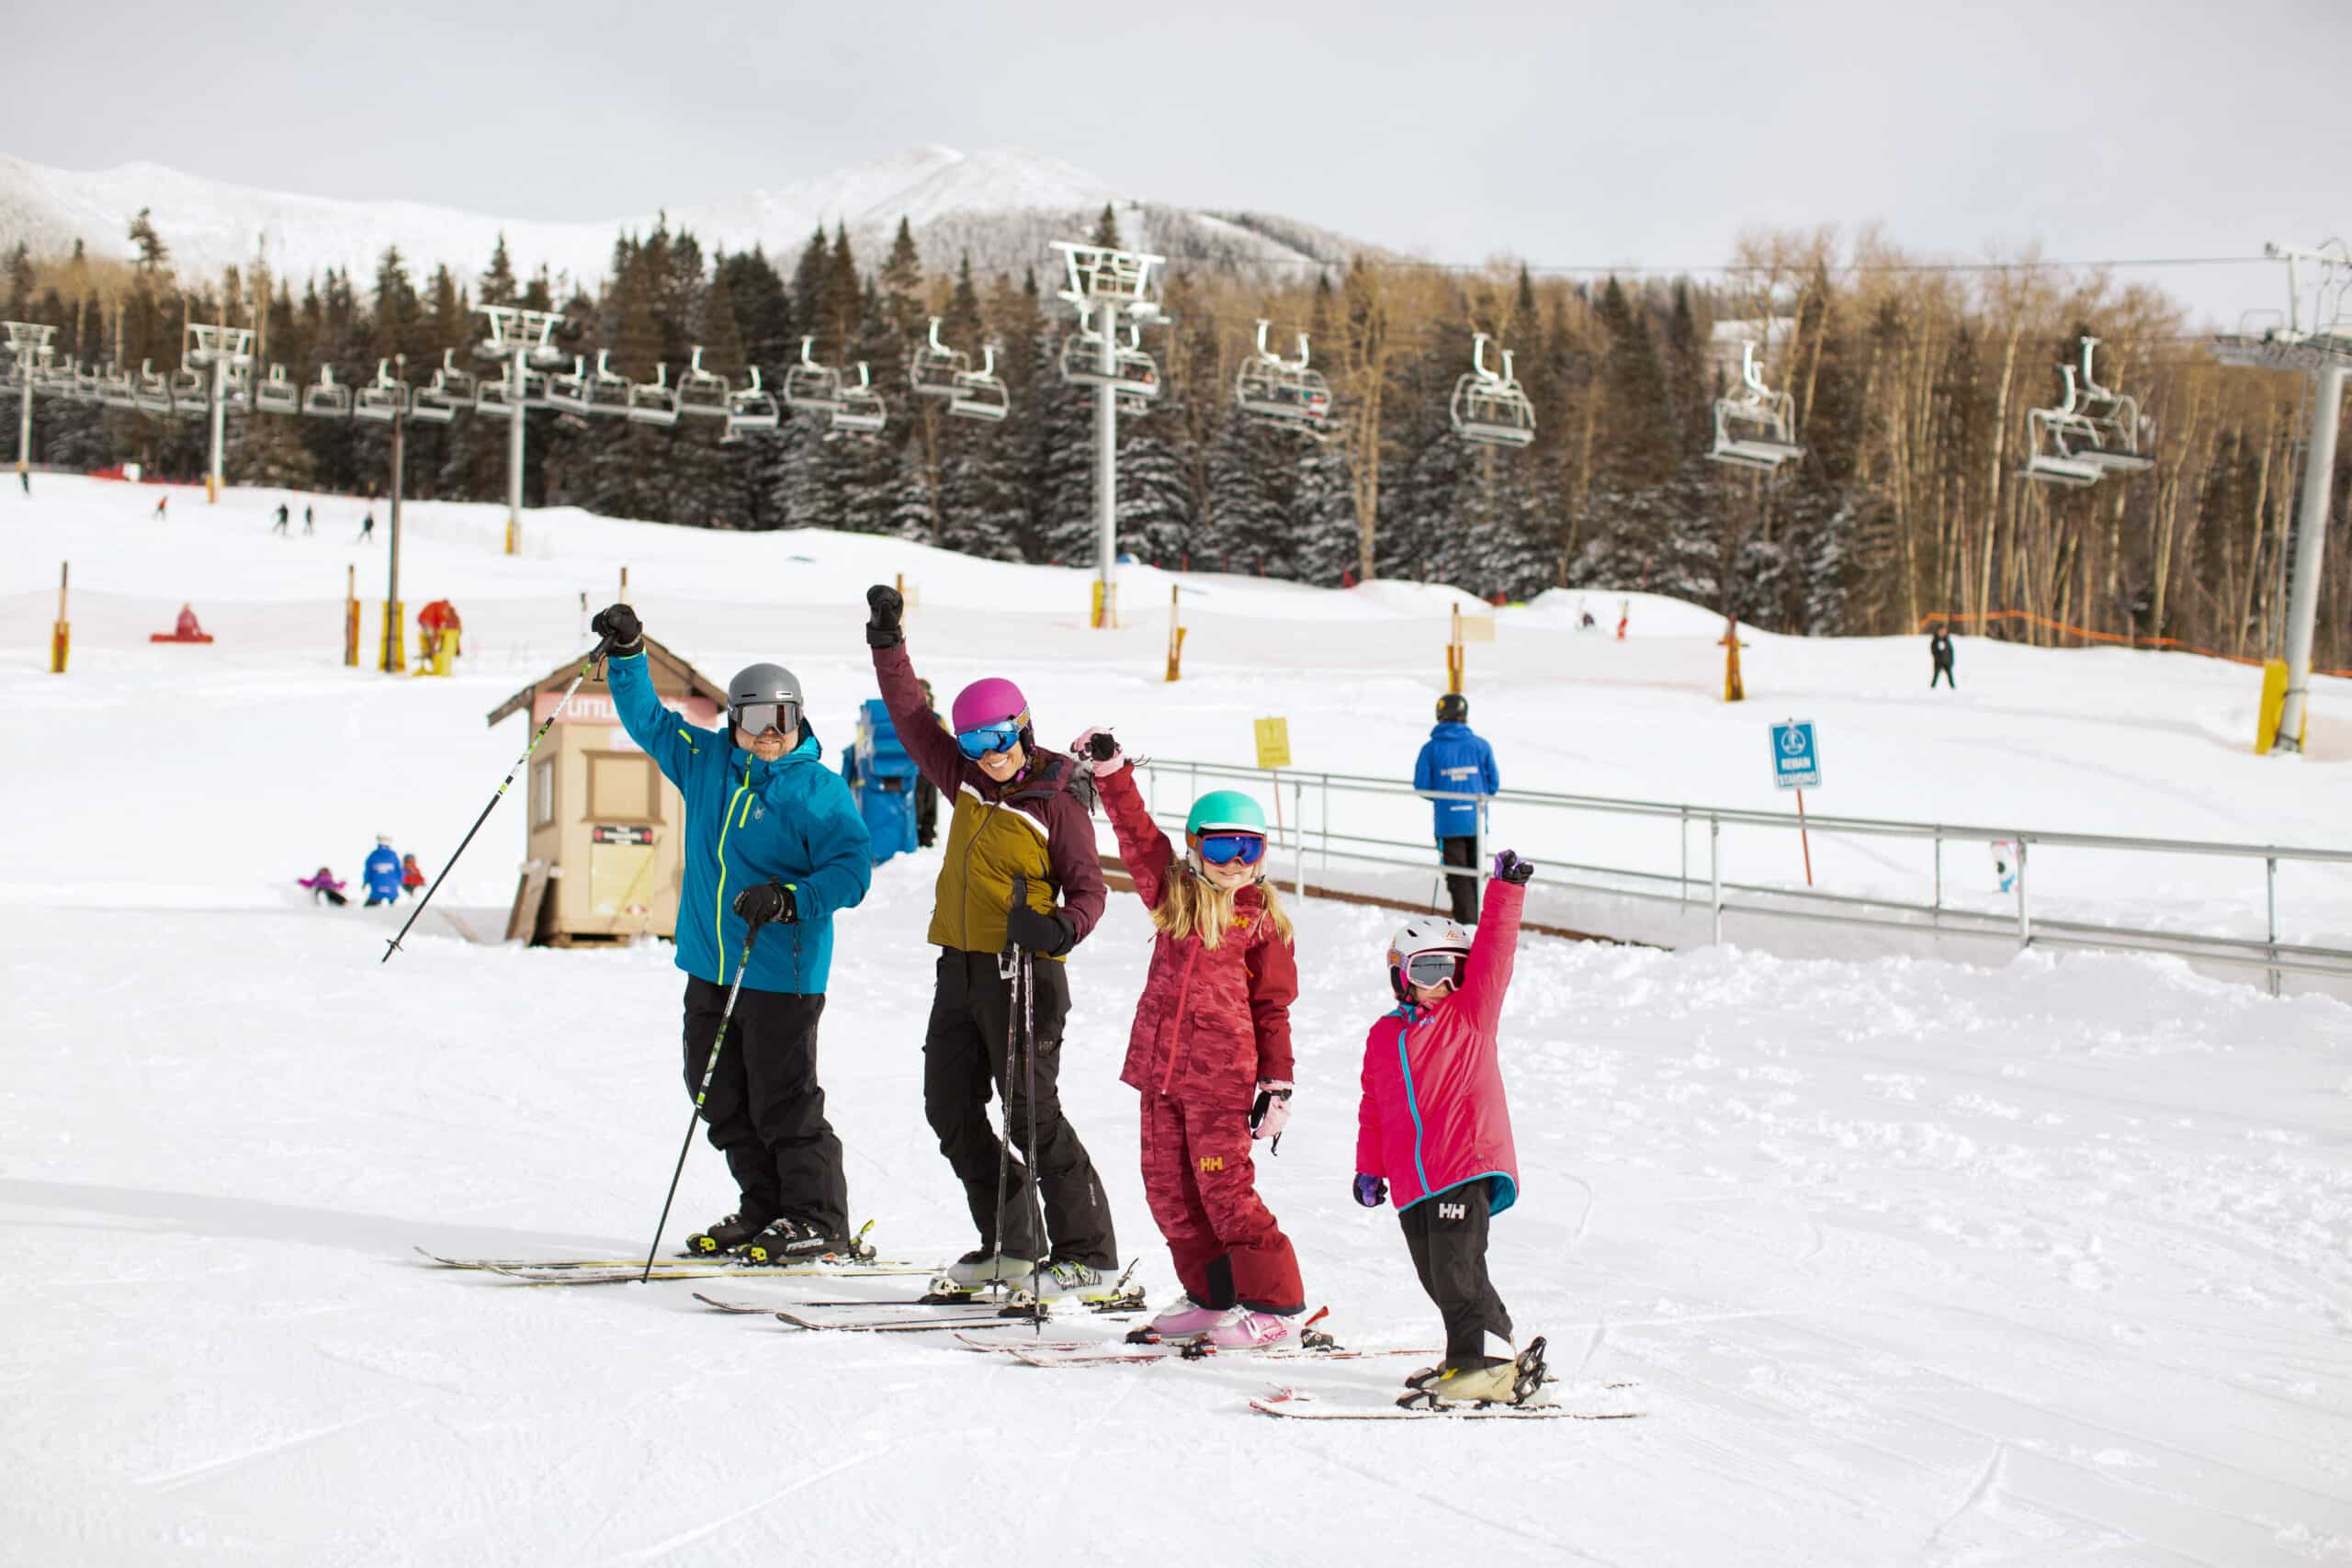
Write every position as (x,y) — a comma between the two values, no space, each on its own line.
(1454,708)
(757,685)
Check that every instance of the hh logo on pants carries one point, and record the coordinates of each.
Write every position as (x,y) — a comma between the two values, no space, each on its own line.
(1452,1210)
(1212,1162)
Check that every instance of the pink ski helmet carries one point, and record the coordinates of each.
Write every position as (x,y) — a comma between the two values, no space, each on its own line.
(993,701)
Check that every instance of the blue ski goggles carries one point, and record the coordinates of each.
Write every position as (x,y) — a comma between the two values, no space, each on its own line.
(978,743)
(1224,848)
(1434,968)
(756,719)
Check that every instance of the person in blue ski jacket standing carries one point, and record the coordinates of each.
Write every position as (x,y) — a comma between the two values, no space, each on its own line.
(381,874)
(772,835)
(1455,759)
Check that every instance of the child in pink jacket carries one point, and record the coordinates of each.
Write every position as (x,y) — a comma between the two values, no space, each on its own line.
(1434,1131)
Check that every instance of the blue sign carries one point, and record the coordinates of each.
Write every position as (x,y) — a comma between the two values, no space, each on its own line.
(1796,760)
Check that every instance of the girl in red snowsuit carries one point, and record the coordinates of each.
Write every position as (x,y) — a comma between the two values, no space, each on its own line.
(1210,1054)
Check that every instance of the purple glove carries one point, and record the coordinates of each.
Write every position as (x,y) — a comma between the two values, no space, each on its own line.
(1509,868)
(1099,752)
(1372,1191)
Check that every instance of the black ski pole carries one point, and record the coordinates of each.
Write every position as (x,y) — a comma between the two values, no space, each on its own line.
(1028,963)
(1007,969)
(708,1068)
(594,659)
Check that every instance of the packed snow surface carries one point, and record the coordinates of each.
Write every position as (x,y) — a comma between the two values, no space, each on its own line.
(2035,1260)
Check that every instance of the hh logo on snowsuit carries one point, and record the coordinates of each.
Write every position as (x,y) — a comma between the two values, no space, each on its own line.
(1212,1162)
(1452,1210)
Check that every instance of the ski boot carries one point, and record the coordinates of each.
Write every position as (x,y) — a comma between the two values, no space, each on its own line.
(726,1234)
(1186,1320)
(981,1266)
(788,1240)
(1490,1380)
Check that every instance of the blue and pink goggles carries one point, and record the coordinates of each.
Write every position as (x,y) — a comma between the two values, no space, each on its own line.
(978,742)
(1224,848)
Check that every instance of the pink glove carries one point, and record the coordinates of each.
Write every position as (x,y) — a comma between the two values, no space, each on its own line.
(1270,1113)
(1098,752)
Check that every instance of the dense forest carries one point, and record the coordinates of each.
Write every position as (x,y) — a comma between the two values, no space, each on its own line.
(1911,384)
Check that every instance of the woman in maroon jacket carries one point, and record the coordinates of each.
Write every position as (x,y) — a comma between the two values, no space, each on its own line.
(1210,1054)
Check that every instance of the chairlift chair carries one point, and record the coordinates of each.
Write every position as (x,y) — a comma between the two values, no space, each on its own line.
(493,397)
(567,390)
(1488,409)
(1282,391)
(275,394)
(326,399)
(58,381)
(1133,372)
(701,392)
(458,385)
(115,390)
(981,394)
(654,401)
(2113,424)
(237,385)
(750,408)
(934,370)
(1755,427)
(811,387)
(191,391)
(433,403)
(607,388)
(860,410)
(151,390)
(381,399)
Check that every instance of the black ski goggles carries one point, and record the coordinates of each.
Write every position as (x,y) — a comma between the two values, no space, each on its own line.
(1434,968)
(756,719)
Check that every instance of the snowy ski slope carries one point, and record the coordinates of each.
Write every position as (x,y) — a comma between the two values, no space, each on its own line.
(2041,1261)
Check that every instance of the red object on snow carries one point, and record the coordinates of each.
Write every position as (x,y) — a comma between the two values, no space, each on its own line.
(186,631)
(439,616)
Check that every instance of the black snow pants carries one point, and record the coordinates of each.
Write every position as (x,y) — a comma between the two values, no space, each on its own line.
(1447,1234)
(963,1059)
(1943,672)
(1464,890)
(765,1109)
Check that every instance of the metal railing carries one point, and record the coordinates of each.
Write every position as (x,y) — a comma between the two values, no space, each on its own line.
(1326,839)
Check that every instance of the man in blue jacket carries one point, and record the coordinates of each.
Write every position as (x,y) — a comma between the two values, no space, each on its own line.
(1456,760)
(772,835)
(382,873)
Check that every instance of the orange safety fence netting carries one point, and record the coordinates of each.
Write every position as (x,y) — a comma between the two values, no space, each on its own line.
(1982,616)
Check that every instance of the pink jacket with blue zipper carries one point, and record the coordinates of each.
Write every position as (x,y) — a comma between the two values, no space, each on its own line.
(1433,1114)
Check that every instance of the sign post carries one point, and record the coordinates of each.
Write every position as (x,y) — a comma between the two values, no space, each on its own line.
(1796,764)
(1273,755)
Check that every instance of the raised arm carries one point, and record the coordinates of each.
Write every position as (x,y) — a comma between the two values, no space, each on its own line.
(1143,848)
(1494,951)
(667,737)
(933,749)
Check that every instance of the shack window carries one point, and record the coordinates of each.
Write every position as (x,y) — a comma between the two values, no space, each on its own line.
(543,793)
(622,787)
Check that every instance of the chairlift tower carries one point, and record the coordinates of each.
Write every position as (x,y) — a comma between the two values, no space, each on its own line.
(222,352)
(28,341)
(1103,283)
(520,337)
(2317,343)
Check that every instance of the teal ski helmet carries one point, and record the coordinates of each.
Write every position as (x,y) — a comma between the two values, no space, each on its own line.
(1225,811)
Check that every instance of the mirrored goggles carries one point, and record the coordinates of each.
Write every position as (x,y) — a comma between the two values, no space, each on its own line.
(978,743)
(1224,848)
(1434,968)
(757,718)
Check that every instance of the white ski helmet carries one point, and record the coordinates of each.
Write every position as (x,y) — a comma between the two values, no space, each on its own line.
(1422,933)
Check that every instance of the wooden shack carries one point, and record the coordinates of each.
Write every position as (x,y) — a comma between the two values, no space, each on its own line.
(603,854)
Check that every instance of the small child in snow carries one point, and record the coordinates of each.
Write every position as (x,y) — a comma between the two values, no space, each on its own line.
(324,888)
(1210,1054)
(1435,1132)
(411,874)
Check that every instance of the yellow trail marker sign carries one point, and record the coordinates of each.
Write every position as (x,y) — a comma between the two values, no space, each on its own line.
(1273,742)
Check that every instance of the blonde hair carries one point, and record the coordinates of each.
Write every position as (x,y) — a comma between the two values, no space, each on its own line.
(1189,905)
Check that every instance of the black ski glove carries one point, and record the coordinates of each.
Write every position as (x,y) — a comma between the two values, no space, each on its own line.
(770,901)
(1051,934)
(886,606)
(619,623)
(1509,868)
